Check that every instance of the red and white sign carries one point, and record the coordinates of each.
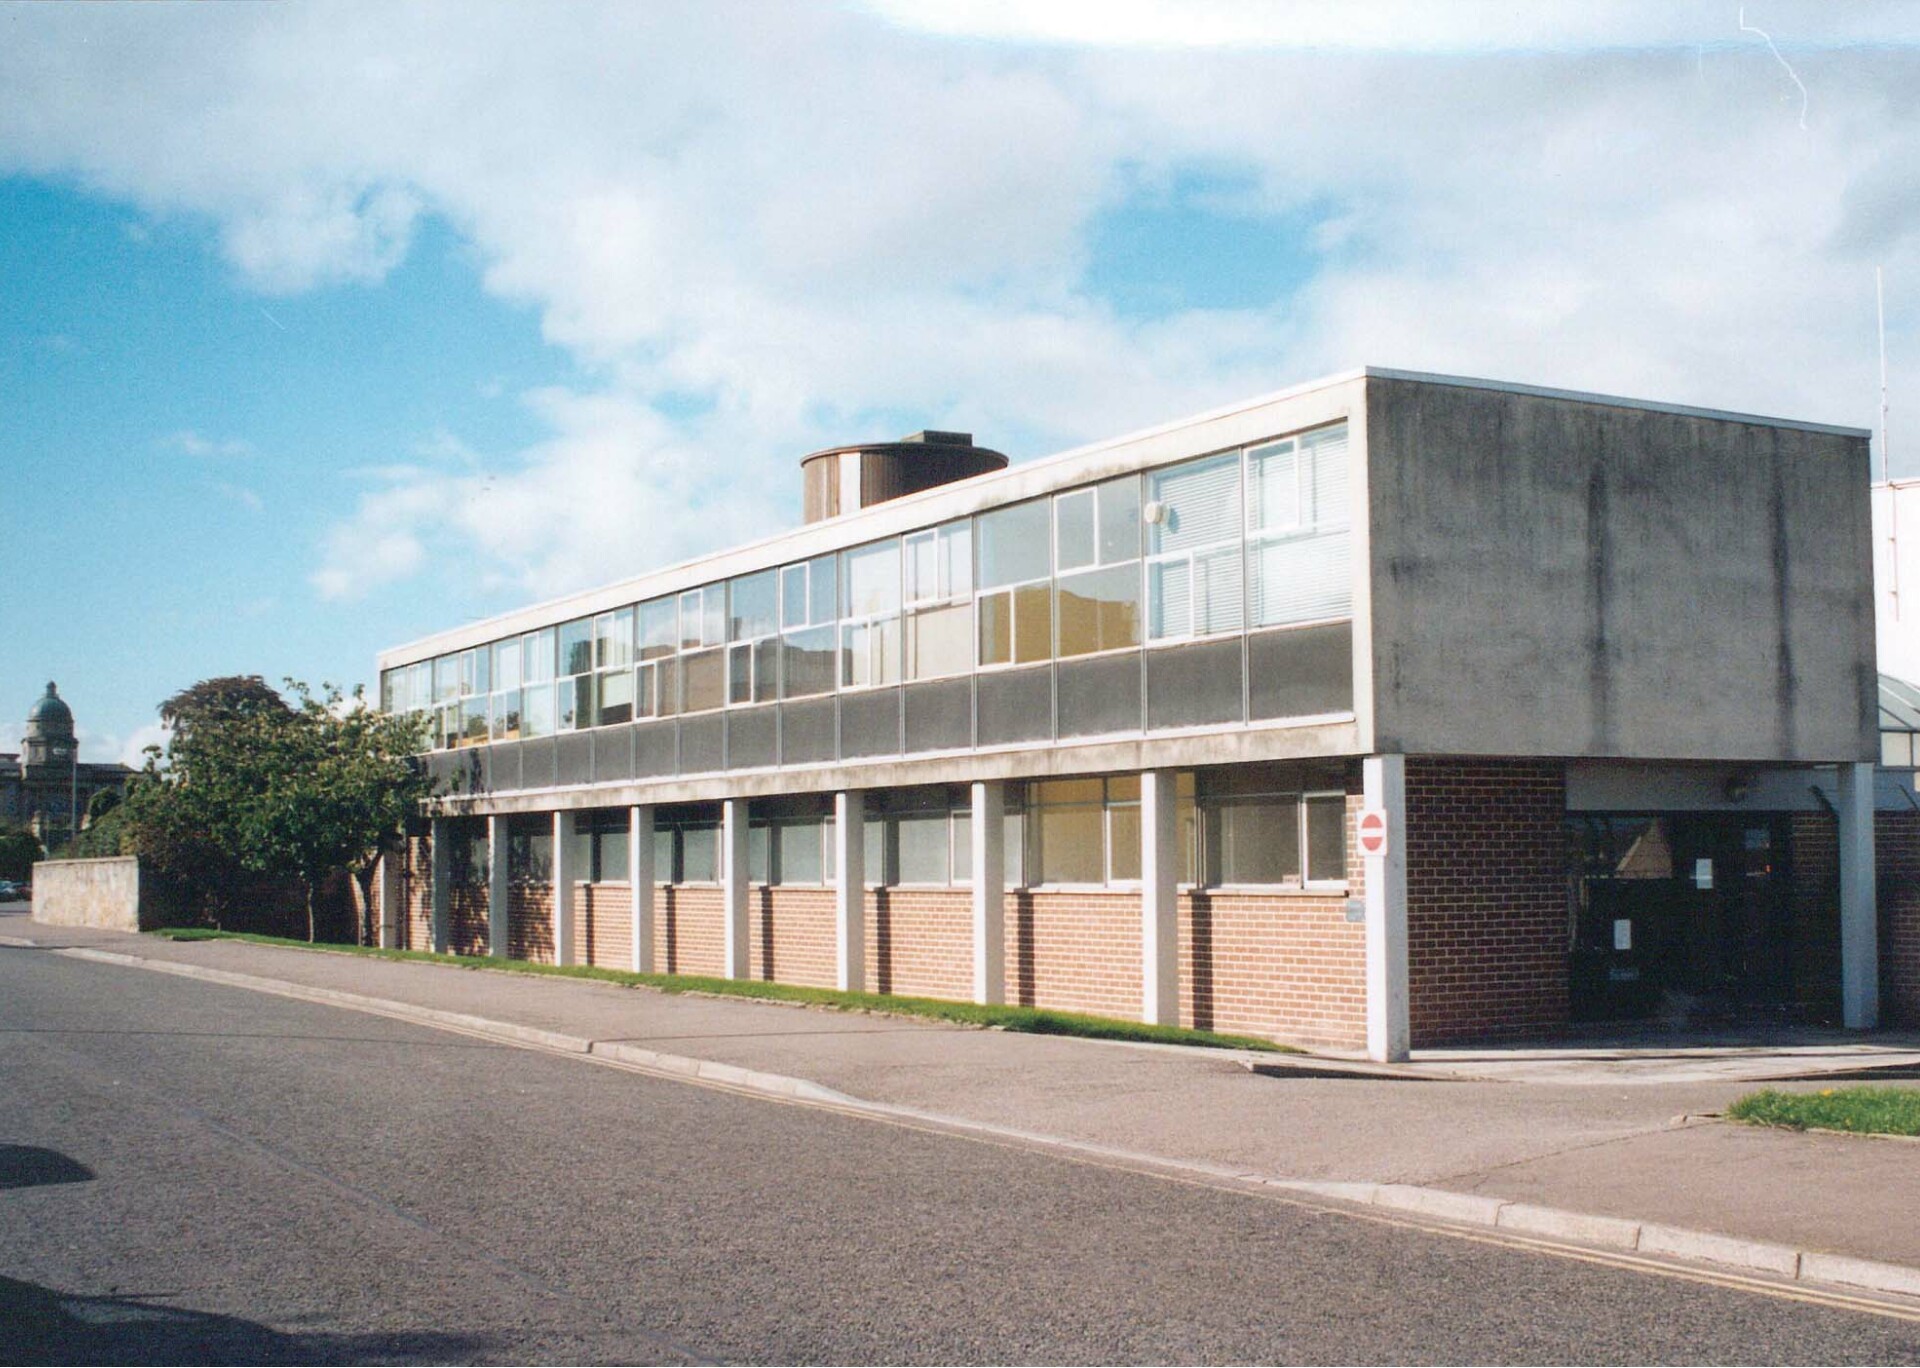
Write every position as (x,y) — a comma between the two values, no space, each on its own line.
(1373,832)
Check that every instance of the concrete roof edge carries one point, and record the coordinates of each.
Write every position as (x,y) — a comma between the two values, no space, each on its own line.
(1612,400)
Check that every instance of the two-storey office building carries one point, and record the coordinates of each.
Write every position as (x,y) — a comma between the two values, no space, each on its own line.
(1105,731)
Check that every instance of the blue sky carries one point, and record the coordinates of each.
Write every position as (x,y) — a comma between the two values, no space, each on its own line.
(324,329)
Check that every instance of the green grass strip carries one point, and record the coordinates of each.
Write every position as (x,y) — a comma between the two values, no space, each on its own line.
(1866,1111)
(1026,1020)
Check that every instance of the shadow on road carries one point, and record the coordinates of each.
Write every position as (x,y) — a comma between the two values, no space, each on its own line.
(25,1166)
(44,1326)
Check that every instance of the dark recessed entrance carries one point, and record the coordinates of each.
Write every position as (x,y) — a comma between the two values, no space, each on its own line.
(1683,916)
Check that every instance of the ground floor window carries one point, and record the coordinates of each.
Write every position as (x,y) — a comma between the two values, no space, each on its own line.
(1270,825)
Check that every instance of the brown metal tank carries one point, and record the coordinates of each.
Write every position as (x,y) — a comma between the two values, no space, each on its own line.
(844,479)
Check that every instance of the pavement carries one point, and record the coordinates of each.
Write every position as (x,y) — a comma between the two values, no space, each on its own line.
(1616,1144)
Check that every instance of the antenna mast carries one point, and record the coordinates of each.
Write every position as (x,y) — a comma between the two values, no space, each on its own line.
(1886,454)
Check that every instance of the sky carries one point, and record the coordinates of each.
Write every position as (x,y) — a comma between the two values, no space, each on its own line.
(324,327)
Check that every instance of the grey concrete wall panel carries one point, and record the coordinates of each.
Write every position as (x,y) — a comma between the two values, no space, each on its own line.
(1303,672)
(1016,705)
(703,742)
(573,757)
(612,754)
(870,722)
(503,766)
(1570,577)
(1190,686)
(753,737)
(1100,697)
(807,733)
(655,749)
(939,715)
(536,763)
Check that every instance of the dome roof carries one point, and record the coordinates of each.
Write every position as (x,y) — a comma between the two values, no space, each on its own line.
(50,715)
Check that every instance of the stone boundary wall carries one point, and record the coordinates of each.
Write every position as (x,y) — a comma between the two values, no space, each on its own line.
(108,893)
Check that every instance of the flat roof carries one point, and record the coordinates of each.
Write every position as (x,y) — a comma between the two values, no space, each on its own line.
(974,492)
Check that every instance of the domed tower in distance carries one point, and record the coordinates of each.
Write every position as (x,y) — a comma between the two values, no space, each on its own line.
(46,785)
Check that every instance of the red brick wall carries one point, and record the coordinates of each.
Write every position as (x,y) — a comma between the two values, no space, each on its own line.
(416,895)
(791,936)
(603,925)
(1486,898)
(1079,952)
(1281,964)
(689,930)
(1897,853)
(530,922)
(920,942)
(466,920)
(1814,891)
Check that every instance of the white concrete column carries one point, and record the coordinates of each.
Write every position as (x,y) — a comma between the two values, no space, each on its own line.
(989,871)
(563,876)
(389,895)
(733,884)
(1159,899)
(1859,917)
(850,890)
(1384,780)
(442,864)
(497,886)
(640,874)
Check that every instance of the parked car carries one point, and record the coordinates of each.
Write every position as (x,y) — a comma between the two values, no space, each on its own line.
(13,892)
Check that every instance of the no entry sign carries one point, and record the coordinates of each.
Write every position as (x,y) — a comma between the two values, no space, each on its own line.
(1373,832)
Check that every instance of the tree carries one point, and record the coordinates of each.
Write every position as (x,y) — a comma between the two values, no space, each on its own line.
(101,803)
(297,792)
(332,785)
(18,850)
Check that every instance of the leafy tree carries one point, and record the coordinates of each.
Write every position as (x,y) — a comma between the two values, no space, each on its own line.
(298,792)
(101,803)
(18,850)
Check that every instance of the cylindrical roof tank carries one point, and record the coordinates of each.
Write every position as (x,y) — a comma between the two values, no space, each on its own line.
(844,479)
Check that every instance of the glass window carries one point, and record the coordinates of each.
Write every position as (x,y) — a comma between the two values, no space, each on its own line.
(1013,544)
(759,853)
(922,853)
(940,641)
(793,596)
(536,710)
(873,579)
(1254,841)
(922,555)
(665,870)
(574,699)
(536,661)
(1100,610)
(506,713)
(739,674)
(1273,487)
(530,852)
(1194,584)
(809,662)
(960,871)
(613,639)
(699,854)
(1075,541)
(798,857)
(767,653)
(474,674)
(690,619)
(1297,514)
(1119,502)
(659,628)
(576,647)
(473,722)
(506,664)
(823,595)
(615,701)
(1123,840)
(870,653)
(1326,837)
(610,863)
(752,611)
(1069,833)
(446,679)
(703,680)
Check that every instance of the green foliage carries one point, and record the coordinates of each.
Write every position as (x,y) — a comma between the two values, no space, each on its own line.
(105,835)
(18,850)
(103,801)
(253,784)
(1868,1111)
(1027,1020)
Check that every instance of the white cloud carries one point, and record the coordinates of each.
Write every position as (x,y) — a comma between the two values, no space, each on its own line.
(195,444)
(801,226)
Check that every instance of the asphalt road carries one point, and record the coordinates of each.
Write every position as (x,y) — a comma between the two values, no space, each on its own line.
(191,1173)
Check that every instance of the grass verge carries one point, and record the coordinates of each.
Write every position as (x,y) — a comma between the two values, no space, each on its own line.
(1026,1020)
(1865,1111)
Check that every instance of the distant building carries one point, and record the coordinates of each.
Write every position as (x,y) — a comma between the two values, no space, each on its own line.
(40,785)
